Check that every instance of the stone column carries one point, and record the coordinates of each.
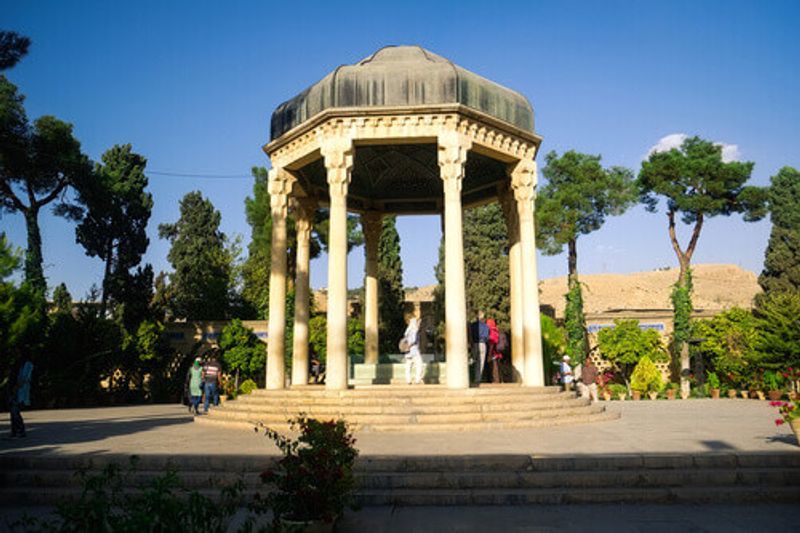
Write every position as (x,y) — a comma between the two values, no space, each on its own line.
(338,154)
(453,150)
(523,183)
(509,206)
(303,221)
(279,185)
(372,225)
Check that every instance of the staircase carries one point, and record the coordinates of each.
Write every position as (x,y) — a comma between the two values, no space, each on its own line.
(423,408)
(452,480)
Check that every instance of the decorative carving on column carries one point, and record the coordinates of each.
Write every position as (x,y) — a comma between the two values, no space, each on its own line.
(509,206)
(523,183)
(372,225)
(304,216)
(279,186)
(338,154)
(453,148)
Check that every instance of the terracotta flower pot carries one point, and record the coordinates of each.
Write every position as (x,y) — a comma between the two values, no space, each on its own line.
(622,395)
(670,394)
(760,395)
(732,393)
(607,396)
(775,395)
(745,394)
(636,395)
(653,395)
(795,424)
(715,394)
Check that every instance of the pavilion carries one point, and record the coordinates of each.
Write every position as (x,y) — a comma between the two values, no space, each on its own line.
(404,131)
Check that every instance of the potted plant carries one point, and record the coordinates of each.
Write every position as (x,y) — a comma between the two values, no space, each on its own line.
(713,384)
(619,390)
(607,394)
(645,378)
(789,413)
(672,390)
(792,376)
(757,386)
(773,384)
(314,479)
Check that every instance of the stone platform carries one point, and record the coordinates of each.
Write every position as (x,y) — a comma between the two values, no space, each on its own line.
(412,408)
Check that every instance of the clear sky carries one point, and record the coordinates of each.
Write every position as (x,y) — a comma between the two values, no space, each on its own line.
(192,85)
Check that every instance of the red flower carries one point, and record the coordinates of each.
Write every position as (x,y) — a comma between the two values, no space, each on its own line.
(779,422)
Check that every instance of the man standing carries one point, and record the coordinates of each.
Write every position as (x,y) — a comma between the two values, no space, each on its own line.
(566,373)
(19,395)
(589,379)
(211,372)
(478,336)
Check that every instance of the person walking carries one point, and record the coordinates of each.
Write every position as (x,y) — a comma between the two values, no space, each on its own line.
(478,336)
(19,395)
(491,349)
(589,379)
(412,355)
(211,374)
(194,378)
(566,373)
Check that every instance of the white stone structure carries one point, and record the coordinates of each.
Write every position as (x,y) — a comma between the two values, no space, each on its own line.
(402,132)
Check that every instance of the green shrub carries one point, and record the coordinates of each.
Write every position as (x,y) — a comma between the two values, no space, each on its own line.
(248,386)
(729,343)
(625,344)
(712,380)
(773,380)
(646,377)
(617,388)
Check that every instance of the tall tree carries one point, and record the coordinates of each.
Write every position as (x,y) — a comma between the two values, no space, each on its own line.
(782,258)
(256,267)
(201,277)
(697,184)
(486,263)
(62,299)
(37,165)
(390,286)
(13,47)
(115,221)
(577,198)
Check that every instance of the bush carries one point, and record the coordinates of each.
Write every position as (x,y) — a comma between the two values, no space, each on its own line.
(617,388)
(779,343)
(318,337)
(314,479)
(646,377)
(248,386)
(729,343)
(625,344)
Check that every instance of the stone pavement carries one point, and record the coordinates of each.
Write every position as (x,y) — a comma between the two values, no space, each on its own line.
(669,427)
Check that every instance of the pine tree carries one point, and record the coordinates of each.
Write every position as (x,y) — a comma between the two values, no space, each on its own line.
(390,286)
(62,299)
(782,258)
(201,277)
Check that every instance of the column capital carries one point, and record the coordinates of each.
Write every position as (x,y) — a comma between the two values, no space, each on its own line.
(523,179)
(452,154)
(279,186)
(338,153)
(372,226)
(508,204)
(304,209)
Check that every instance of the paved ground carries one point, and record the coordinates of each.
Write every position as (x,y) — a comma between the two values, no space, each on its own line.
(694,426)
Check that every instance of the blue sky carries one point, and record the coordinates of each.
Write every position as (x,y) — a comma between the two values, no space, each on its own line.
(192,85)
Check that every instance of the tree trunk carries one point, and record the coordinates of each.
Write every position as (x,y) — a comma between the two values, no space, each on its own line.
(572,263)
(106,276)
(34,272)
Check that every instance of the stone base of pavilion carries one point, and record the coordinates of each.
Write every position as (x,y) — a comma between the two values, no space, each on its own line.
(395,374)
(412,408)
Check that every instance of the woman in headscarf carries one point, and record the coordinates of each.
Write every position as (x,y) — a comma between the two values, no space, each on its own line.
(494,338)
(195,378)
(412,356)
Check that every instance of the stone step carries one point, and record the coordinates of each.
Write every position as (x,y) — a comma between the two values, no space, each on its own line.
(400,408)
(430,427)
(699,494)
(402,416)
(407,390)
(397,400)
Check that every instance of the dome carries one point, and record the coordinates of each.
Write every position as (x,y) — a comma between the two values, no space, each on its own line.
(397,76)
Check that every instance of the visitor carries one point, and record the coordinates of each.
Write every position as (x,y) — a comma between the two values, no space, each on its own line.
(589,380)
(478,336)
(211,373)
(19,394)
(412,355)
(316,368)
(566,373)
(194,379)
(491,348)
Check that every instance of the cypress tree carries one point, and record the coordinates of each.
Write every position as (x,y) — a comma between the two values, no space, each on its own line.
(486,263)
(390,286)
(782,258)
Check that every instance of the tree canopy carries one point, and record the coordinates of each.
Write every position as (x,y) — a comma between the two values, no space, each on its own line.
(115,221)
(202,267)
(13,47)
(38,162)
